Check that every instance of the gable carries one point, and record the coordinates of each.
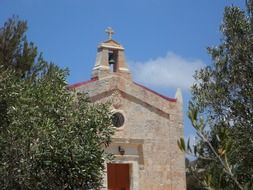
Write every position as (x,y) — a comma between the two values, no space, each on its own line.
(99,89)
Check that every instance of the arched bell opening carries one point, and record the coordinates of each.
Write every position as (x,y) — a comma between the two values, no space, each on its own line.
(113,61)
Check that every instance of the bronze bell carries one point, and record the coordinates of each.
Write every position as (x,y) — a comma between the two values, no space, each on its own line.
(111,58)
(111,61)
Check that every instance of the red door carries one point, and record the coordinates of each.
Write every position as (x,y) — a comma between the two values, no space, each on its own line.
(118,176)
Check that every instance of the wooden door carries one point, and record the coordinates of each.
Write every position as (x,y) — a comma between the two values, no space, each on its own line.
(118,177)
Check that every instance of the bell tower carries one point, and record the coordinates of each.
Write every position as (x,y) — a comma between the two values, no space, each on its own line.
(110,59)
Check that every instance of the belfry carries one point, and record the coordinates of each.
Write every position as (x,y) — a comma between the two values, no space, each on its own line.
(110,59)
(147,125)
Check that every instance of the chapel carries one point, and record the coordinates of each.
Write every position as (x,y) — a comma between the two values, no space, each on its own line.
(147,125)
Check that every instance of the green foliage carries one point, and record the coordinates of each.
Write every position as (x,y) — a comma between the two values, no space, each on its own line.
(192,180)
(221,109)
(50,138)
(16,52)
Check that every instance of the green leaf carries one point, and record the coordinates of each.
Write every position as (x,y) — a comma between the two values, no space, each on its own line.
(188,146)
(181,144)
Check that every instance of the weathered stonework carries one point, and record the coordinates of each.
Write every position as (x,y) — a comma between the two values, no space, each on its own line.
(153,124)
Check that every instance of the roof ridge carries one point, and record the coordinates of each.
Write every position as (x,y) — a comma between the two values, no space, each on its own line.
(75,85)
(154,92)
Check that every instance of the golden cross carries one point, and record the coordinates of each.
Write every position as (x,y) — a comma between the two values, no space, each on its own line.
(110,32)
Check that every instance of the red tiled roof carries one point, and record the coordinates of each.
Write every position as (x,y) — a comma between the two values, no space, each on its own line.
(73,86)
(162,96)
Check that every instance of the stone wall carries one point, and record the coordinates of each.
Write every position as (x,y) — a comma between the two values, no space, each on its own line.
(149,135)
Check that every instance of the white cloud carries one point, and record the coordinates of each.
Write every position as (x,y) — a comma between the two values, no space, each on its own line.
(172,70)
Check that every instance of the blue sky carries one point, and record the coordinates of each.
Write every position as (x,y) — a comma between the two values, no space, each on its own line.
(164,40)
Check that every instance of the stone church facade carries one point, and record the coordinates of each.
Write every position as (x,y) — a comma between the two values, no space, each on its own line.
(147,124)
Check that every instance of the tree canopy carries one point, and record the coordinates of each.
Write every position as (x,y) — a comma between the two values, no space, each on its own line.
(50,137)
(221,109)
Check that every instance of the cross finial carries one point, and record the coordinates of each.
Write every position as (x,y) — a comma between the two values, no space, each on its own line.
(110,32)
